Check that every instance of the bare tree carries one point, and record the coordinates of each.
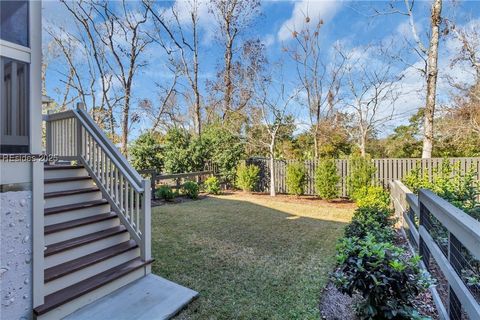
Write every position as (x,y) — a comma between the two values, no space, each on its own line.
(118,29)
(372,87)
(233,17)
(429,55)
(319,80)
(271,115)
(432,74)
(186,42)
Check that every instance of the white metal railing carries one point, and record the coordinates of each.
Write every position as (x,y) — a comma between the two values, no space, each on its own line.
(73,135)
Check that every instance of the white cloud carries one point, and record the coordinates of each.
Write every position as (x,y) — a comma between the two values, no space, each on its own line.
(315,10)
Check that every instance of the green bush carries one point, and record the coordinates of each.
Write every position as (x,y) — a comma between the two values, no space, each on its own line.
(360,176)
(212,185)
(247,177)
(459,189)
(326,179)
(147,152)
(191,189)
(296,179)
(378,222)
(373,196)
(165,192)
(378,272)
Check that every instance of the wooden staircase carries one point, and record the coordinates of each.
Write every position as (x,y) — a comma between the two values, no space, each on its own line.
(88,252)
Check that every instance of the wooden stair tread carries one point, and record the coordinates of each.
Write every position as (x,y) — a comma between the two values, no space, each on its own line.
(78,222)
(56,180)
(79,241)
(69,192)
(70,293)
(75,206)
(88,260)
(62,167)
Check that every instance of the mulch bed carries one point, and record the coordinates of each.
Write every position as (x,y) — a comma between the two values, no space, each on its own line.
(177,200)
(313,200)
(337,306)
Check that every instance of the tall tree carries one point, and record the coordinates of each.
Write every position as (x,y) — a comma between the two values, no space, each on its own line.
(233,17)
(372,86)
(320,81)
(180,23)
(429,56)
(271,115)
(118,28)
(432,74)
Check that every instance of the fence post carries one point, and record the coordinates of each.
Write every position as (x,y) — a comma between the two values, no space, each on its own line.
(422,247)
(454,304)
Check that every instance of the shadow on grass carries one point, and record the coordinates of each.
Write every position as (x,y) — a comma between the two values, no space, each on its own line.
(249,259)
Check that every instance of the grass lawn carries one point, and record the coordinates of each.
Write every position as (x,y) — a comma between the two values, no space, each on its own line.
(249,256)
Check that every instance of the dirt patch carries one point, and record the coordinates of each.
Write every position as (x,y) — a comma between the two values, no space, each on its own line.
(312,200)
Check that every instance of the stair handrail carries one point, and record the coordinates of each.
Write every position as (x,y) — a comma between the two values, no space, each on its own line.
(73,135)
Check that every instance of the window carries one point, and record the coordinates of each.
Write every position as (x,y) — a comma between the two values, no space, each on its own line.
(14,110)
(14,22)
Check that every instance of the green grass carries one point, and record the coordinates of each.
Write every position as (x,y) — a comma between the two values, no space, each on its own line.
(249,257)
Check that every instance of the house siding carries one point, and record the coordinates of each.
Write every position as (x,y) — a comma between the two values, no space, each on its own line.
(16,251)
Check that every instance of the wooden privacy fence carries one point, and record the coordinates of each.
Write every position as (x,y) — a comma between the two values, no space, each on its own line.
(175,180)
(448,240)
(387,170)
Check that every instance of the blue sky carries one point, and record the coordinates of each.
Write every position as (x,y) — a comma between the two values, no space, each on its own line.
(351,23)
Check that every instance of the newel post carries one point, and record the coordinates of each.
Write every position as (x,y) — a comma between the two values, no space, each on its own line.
(48,134)
(147,221)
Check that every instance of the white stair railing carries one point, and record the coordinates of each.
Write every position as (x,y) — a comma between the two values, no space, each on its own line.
(73,135)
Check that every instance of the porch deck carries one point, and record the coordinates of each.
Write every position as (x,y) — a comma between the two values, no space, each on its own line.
(149,298)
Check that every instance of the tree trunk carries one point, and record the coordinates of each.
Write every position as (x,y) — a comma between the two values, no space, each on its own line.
(432,72)
(125,118)
(272,170)
(228,79)
(363,144)
(198,114)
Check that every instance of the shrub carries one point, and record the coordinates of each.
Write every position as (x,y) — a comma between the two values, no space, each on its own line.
(373,196)
(326,179)
(360,176)
(166,193)
(378,222)
(147,153)
(191,189)
(212,185)
(461,190)
(247,176)
(296,179)
(376,271)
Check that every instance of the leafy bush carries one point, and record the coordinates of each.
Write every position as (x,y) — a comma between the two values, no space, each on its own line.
(225,150)
(212,185)
(296,179)
(373,196)
(247,177)
(360,176)
(165,192)
(147,152)
(191,189)
(448,182)
(378,222)
(326,179)
(376,270)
